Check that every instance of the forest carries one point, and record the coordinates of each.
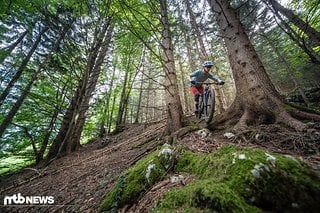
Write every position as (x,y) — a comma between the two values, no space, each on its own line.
(79,77)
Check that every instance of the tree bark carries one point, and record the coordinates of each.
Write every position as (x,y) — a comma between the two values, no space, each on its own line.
(257,101)
(46,137)
(84,106)
(174,108)
(112,110)
(136,120)
(67,122)
(185,94)
(13,111)
(147,101)
(68,137)
(106,111)
(122,103)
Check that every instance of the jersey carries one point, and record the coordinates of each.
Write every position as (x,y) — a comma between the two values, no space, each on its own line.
(201,76)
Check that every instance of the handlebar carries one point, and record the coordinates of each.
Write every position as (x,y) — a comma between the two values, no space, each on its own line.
(209,83)
(206,82)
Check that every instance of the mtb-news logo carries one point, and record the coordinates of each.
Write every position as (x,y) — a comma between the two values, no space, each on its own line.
(18,199)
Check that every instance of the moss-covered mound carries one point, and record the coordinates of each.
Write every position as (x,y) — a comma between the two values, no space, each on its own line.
(244,180)
(138,179)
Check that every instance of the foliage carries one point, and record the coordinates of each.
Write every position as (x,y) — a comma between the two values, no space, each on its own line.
(54,84)
(134,49)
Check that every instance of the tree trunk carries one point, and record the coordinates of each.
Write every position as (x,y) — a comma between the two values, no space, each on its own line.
(122,103)
(32,140)
(46,137)
(314,35)
(74,144)
(314,57)
(13,111)
(112,110)
(67,139)
(203,52)
(22,66)
(192,64)
(106,111)
(11,47)
(174,120)
(289,70)
(67,121)
(147,101)
(136,120)
(256,100)
(185,94)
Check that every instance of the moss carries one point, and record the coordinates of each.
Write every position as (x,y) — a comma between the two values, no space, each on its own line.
(204,196)
(234,179)
(138,179)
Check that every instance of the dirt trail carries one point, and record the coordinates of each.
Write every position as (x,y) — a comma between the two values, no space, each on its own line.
(79,181)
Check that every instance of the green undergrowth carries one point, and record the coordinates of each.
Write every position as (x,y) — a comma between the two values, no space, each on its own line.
(138,179)
(231,179)
(243,180)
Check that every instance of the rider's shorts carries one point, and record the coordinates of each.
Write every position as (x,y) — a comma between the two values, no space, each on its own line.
(196,90)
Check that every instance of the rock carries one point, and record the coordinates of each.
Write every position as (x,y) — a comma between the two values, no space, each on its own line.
(204,133)
(105,140)
(176,179)
(228,135)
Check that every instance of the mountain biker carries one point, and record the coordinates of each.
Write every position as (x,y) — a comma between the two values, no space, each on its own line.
(199,76)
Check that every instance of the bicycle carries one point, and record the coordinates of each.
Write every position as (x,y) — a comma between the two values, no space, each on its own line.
(207,102)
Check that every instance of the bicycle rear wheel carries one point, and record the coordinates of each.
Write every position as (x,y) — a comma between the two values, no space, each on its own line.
(209,106)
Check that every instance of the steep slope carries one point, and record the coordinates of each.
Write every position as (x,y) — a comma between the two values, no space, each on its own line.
(209,173)
(79,181)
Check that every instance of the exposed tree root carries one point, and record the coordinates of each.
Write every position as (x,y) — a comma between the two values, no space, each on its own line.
(242,123)
(228,119)
(241,116)
(285,118)
(280,139)
(272,124)
(305,115)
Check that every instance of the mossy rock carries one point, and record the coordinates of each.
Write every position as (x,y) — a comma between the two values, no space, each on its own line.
(144,174)
(233,179)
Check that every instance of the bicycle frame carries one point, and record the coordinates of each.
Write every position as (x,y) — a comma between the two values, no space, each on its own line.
(207,103)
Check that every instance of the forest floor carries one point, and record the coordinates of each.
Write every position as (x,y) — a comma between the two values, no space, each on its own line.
(78,182)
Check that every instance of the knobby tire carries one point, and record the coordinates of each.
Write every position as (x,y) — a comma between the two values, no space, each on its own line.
(209,106)
(201,107)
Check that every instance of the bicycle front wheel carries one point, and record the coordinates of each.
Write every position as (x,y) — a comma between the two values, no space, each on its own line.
(209,107)
(201,107)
